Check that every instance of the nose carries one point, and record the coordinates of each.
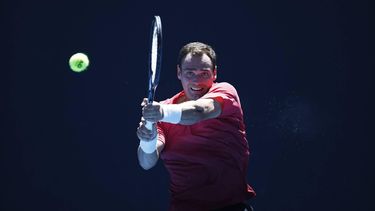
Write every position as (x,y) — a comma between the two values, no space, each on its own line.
(197,77)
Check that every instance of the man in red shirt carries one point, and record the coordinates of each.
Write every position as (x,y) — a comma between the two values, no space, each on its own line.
(200,135)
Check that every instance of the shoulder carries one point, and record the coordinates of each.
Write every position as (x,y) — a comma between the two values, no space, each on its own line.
(226,94)
(173,99)
(223,89)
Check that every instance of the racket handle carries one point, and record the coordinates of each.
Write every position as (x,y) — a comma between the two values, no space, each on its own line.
(148,125)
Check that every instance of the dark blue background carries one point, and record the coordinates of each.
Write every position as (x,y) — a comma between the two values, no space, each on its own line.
(303,69)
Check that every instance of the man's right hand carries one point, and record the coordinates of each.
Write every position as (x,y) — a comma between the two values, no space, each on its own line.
(145,134)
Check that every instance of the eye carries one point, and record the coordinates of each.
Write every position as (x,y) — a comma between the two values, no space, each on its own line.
(189,74)
(206,74)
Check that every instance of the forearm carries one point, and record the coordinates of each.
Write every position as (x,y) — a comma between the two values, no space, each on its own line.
(195,111)
(146,160)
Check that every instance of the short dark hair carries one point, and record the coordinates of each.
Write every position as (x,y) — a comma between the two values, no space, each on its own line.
(197,49)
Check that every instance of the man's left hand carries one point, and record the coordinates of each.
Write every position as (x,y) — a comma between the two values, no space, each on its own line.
(152,112)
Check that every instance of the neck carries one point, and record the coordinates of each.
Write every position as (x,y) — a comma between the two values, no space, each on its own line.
(182,98)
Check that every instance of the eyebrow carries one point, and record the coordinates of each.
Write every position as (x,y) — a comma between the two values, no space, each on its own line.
(202,69)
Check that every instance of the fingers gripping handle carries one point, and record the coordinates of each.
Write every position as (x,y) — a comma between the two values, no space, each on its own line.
(148,124)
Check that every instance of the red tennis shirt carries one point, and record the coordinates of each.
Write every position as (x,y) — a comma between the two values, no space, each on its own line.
(207,161)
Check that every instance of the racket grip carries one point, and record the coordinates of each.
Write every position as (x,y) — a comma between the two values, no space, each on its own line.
(148,125)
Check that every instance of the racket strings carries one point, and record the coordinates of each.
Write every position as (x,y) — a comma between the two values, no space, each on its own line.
(154,53)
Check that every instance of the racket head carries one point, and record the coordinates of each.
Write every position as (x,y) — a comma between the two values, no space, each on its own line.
(154,57)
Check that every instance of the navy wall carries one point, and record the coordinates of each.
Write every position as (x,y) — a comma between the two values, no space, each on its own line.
(303,69)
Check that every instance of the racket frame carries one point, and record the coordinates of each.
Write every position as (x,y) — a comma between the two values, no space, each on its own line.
(156,30)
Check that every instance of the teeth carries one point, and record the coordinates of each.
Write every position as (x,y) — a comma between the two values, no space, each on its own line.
(196,89)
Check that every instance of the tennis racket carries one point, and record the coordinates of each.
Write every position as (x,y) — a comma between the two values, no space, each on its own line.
(154,66)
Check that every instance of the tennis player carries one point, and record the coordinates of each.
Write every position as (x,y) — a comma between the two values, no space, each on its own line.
(199,133)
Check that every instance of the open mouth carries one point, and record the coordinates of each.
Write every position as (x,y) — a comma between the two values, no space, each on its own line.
(196,89)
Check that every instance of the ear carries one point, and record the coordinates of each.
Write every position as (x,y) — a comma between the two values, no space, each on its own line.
(215,73)
(178,72)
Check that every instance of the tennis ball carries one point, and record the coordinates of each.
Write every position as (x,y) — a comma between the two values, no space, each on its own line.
(79,62)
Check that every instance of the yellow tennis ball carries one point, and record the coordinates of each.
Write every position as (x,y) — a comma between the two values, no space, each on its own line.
(79,62)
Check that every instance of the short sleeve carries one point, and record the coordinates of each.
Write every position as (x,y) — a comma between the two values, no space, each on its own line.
(161,134)
(227,96)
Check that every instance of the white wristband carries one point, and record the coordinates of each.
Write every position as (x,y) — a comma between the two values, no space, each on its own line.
(148,146)
(172,113)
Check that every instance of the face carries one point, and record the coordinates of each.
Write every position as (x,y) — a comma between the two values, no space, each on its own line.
(197,75)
